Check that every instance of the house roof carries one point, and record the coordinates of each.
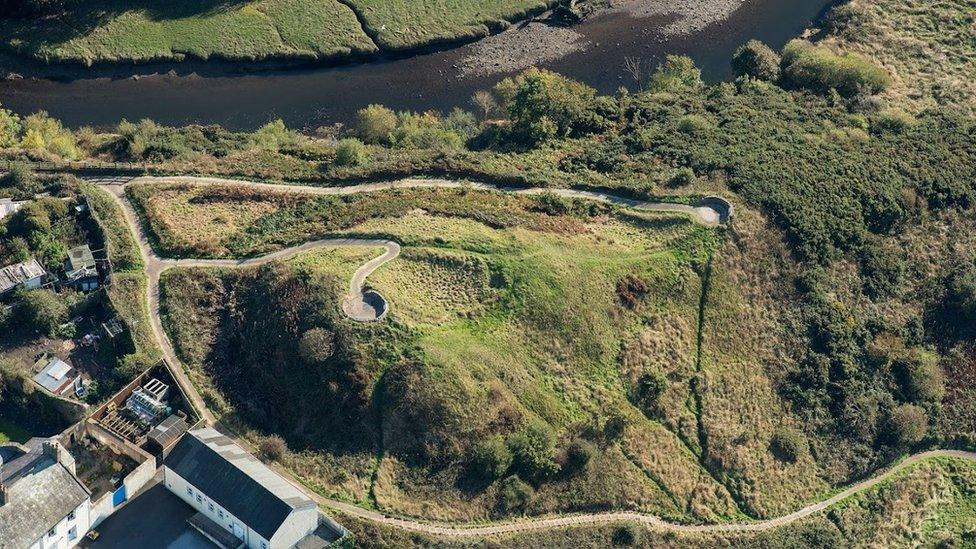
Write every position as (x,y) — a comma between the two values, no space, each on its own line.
(14,275)
(81,263)
(40,492)
(168,431)
(236,480)
(55,375)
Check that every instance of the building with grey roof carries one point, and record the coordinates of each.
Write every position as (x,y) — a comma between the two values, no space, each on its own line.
(58,378)
(236,491)
(42,502)
(80,268)
(29,274)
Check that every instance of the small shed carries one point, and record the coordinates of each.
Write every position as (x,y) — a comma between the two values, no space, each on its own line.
(29,274)
(163,436)
(9,207)
(80,269)
(58,378)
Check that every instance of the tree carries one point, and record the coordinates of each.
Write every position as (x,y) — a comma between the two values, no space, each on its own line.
(906,426)
(544,105)
(43,310)
(484,102)
(756,60)
(20,177)
(960,300)
(9,128)
(514,495)
(351,152)
(627,535)
(817,68)
(677,71)
(533,451)
(375,123)
(492,458)
(578,455)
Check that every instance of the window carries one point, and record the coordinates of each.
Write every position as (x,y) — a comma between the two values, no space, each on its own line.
(71,515)
(73,533)
(264,545)
(199,499)
(220,513)
(211,507)
(52,531)
(189,491)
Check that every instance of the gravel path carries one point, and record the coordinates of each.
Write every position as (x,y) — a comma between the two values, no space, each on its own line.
(705,215)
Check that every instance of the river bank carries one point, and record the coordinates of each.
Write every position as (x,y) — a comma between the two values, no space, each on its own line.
(305,95)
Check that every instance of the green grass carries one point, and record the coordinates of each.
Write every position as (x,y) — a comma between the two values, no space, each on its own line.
(399,24)
(510,314)
(146,30)
(11,432)
(113,30)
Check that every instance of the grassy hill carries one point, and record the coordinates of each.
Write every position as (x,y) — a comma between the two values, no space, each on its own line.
(507,319)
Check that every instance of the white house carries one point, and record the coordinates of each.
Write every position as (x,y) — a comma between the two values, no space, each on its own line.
(29,274)
(42,503)
(234,490)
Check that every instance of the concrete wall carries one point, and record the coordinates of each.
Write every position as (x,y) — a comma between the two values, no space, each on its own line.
(299,524)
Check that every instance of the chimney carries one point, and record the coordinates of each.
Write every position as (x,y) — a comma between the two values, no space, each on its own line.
(59,454)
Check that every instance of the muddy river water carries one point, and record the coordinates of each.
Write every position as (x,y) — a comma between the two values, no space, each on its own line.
(309,97)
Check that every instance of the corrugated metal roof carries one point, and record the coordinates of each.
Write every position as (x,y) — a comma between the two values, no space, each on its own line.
(236,480)
(14,275)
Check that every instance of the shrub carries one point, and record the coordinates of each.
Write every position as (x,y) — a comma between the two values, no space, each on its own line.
(882,271)
(351,152)
(492,458)
(693,124)
(317,345)
(787,445)
(578,455)
(616,426)
(919,376)
(273,136)
(647,393)
(375,123)
(20,177)
(906,426)
(43,310)
(533,451)
(894,121)
(819,69)
(45,133)
(272,447)
(628,535)
(677,72)
(631,290)
(756,60)
(682,177)
(9,128)
(514,495)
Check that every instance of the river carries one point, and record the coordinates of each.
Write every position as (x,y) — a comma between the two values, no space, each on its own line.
(311,97)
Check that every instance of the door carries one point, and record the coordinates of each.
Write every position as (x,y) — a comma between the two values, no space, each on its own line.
(118,496)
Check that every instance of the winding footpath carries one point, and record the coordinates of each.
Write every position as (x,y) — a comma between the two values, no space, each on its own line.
(357,309)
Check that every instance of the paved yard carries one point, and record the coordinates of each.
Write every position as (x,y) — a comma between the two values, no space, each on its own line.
(154,519)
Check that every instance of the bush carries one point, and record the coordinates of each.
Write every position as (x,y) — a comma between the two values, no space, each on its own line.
(817,68)
(351,152)
(317,346)
(894,121)
(647,393)
(9,128)
(756,60)
(533,451)
(272,447)
(43,310)
(882,271)
(578,455)
(906,426)
(920,377)
(542,105)
(628,535)
(677,72)
(514,495)
(492,458)
(375,123)
(631,290)
(20,177)
(682,177)
(273,136)
(45,133)
(787,445)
